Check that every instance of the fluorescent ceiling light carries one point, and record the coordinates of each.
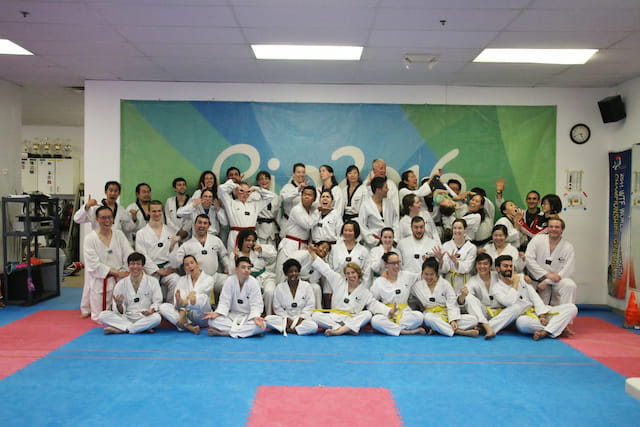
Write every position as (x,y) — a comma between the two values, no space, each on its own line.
(307,52)
(7,47)
(536,56)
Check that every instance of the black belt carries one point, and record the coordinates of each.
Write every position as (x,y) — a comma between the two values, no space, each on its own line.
(265,220)
(348,217)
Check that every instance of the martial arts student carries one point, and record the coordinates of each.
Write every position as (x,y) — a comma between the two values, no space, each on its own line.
(330,184)
(387,244)
(293,303)
(261,257)
(409,185)
(87,214)
(512,220)
(348,301)
(309,274)
(493,302)
(239,310)
(379,170)
(297,230)
(499,246)
(440,304)
(156,241)
(192,298)
(138,211)
(392,289)
(417,247)
(174,203)
(456,256)
(136,300)
(550,261)
(329,220)
(208,249)
(242,212)
(347,250)
(411,208)
(377,212)
(290,193)
(207,180)
(105,258)
(540,320)
(233,174)
(267,223)
(474,215)
(353,193)
(208,204)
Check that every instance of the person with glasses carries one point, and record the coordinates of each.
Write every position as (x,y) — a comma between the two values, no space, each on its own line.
(105,257)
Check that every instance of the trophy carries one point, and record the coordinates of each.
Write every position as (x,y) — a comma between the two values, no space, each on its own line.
(57,150)
(46,148)
(26,149)
(67,151)
(35,150)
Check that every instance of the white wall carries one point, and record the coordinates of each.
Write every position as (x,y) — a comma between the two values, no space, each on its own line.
(10,143)
(586,229)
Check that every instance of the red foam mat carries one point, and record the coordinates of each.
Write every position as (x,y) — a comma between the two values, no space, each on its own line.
(330,406)
(610,345)
(26,340)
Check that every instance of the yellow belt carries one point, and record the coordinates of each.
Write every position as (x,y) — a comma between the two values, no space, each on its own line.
(438,309)
(455,274)
(493,312)
(532,312)
(399,309)
(333,310)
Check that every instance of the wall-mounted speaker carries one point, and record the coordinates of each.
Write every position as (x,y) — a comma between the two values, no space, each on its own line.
(612,109)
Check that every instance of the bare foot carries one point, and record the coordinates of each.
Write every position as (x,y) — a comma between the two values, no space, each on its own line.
(150,331)
(567,333)
(109,330)
(416,331)
(538,335)
(192,328)
(84,315)
(331,332)
(467,333)
(213,332)
(489,332)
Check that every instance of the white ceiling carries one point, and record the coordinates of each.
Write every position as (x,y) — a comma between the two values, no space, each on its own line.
(208,41)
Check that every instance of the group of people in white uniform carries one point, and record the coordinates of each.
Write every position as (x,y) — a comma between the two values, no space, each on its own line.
(418,258)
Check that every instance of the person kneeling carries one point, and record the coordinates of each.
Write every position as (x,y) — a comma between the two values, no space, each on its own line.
(240,306)
(136,299)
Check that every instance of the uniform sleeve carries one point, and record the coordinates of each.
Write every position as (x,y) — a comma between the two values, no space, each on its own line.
(203,289)
(95,268)
(570,259)
(531,257)
(453,309)
(224,193)
(310,305)
(257,304)
(333,278)
(225,297)
(156,297)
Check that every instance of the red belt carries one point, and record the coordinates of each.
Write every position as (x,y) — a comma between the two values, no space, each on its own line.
(104,293)
(300,241)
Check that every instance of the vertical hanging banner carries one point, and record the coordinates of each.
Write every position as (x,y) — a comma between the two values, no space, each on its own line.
(634,249)
(619,222)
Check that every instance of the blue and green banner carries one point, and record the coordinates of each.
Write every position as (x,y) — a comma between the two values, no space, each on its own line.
(161,140)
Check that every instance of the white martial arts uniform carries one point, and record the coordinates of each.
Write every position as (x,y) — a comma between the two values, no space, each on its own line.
(266,278)
(156,251)
(473,221)
(327,228)
(558,316)
(309,274)
(148,296)
(289,197)
(561,261)
(203,287)
(241,215)
(372,222)
(297,232)
(390,293)
(267,222)
(212,257)
(131,227)
(217,217)
(430,229)
(518,262)
(294,307)
(347,309)
(98,260)
(340,256)
(392,194)
(500,303)
(238,307)
(376,264)
(514,237)
(441,307)
(423,191)
(171,214)
(352,204)
(466,254)
(82,216)
(414,252)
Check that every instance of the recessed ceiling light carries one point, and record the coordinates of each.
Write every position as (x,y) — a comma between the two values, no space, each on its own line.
(7,47)
(307,52)
(536,56)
